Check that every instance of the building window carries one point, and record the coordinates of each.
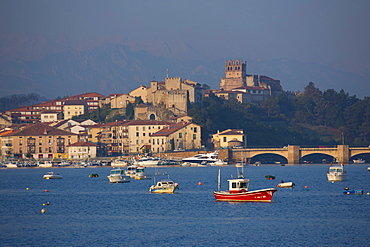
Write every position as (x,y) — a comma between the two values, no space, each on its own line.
(194,136)
(195,130)
(137,134)
(224,138)
(180,135)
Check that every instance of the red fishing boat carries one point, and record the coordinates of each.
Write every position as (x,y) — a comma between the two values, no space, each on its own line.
(238,192)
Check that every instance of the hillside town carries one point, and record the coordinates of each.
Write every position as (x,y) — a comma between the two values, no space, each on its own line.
(160,121)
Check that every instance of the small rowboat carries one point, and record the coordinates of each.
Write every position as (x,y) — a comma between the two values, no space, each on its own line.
(347,191)
(285,184)
(270,177)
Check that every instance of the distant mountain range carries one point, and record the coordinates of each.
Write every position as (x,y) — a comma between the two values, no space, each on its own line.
(51,68)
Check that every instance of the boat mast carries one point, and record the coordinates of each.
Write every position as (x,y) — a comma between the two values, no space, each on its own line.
(219,180)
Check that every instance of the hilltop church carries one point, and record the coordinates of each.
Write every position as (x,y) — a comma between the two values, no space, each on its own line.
(246,88)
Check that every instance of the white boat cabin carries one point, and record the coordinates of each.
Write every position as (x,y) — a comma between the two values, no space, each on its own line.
(117,172)
(238,185)
(165,183)
(333,169)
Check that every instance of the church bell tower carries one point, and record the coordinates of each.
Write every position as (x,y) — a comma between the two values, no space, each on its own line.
(235,75)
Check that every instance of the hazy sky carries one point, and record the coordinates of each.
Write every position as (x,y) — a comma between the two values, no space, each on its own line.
(330,32)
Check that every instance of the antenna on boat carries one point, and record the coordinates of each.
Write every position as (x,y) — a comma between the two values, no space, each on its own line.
(219,180)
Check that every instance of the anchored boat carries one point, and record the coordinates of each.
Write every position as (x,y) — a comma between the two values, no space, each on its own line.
(336,173)
(118,176)
(52,175)
(238,191)
(141,174)
(164,186)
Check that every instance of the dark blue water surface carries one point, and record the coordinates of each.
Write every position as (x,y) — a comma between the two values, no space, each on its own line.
(87,211)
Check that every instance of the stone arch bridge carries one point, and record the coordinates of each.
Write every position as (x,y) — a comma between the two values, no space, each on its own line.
(293,153)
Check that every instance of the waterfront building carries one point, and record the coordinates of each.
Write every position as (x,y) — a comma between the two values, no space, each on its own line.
(82,150)
(179,136)
(222,139)
(37,141)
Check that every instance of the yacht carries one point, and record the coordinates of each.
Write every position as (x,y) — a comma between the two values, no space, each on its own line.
(52,175)
(148,161)
(118,176)
(44,164)
(119,163)
(141,174)
(131,171)
(336,173)
(201,158)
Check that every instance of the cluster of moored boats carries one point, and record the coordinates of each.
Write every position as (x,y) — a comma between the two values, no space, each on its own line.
(120,175)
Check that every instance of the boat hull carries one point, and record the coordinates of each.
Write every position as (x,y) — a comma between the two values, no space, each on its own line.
(52,177)
(168,190)
(337,176)
(353,192)
(118,179)
(264,195)
(142,176)
(286,185)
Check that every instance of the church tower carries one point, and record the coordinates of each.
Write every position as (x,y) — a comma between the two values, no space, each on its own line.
(235,75)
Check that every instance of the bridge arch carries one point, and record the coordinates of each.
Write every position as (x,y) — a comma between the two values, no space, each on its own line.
(269,158)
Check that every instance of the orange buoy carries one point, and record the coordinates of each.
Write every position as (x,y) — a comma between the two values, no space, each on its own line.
(43,210)
(305,186)
(199,183)
(46,191)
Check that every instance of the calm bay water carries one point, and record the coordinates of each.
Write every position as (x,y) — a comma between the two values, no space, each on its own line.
(87,211)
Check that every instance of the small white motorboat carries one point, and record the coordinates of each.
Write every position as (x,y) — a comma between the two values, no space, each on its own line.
(283,184)
(11,165)
(141,174)
(359,161)
(131,171)
(118,176)
(119,163)
(164,186)
(52,175)
(44,164)
(336,173)
(148,161)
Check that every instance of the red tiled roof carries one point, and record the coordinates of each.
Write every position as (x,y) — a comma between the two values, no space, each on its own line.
(40,129)
(171,129)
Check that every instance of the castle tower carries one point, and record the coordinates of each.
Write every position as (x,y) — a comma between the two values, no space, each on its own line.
(235,73)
